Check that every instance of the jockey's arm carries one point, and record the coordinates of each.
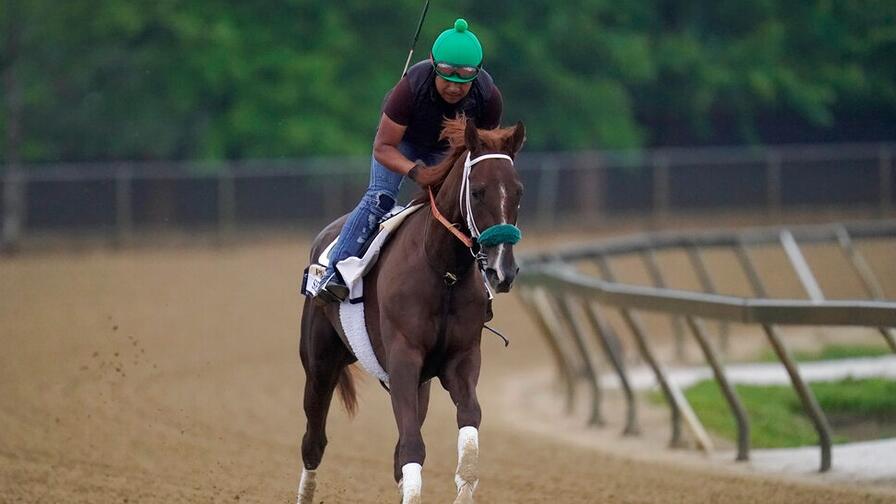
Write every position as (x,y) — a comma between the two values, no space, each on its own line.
(385,146)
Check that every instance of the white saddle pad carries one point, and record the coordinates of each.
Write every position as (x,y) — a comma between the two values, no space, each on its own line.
(351,316)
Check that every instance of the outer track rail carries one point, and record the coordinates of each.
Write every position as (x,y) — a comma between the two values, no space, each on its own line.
(557,279)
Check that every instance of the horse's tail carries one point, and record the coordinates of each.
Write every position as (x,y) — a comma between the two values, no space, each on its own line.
(347,391)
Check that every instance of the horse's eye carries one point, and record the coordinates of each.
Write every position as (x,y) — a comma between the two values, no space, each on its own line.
(477,193)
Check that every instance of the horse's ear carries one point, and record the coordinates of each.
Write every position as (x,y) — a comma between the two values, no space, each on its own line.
(471,136)
(515,142)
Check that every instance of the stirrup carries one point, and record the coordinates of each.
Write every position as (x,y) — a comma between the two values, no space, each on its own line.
(332,291)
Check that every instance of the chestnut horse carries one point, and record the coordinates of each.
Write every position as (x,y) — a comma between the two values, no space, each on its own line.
(425,304)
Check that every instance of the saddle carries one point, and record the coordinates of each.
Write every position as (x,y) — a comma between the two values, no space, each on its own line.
(353,269)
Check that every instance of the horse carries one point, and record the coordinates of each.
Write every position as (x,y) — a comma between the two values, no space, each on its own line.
(426,301)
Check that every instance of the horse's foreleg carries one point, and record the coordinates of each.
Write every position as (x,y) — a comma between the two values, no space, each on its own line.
(404,379)
(460,378)
(324,358)
(422,408)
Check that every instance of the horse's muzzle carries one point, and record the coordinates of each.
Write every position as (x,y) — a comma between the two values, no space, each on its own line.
(501,282)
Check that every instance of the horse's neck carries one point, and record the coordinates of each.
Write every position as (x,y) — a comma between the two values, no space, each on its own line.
(445,252)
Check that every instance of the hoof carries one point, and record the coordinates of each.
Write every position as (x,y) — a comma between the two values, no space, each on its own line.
(465,495)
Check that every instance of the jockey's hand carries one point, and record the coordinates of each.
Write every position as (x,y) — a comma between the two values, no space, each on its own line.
(416,171)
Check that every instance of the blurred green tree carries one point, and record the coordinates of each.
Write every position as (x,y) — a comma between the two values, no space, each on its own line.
(208,79)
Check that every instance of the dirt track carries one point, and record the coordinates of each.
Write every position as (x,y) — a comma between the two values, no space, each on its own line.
(172,375)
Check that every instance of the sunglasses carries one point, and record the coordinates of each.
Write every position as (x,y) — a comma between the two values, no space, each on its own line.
(463,72)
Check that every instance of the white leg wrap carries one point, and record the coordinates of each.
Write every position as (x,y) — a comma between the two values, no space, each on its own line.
(411,484)
(306,486)
(467,476)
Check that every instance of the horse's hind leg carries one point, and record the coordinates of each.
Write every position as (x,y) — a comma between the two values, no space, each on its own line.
(460,377)
(324,358)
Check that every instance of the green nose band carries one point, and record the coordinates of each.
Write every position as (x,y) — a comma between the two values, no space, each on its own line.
(500,233)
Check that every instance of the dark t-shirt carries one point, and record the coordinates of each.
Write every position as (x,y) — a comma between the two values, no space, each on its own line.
(414,102)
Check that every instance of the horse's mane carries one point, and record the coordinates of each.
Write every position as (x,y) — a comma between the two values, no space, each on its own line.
(453,132)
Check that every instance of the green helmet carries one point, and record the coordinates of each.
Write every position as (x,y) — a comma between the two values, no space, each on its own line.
(457,46)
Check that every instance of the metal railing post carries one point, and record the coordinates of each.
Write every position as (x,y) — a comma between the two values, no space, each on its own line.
(648,256)
(566,307)
(226,201)
(14,191)
(661,187)
(590,191)
(13,103)
(539,310)
(633,321)
(611,345)
(800,266)
(885,174)
(546,203)
(866,274)
(807,398)
(706,282)
(124,212)
(737,408)
(773,192)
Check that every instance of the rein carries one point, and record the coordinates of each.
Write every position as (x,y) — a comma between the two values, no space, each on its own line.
(466,240)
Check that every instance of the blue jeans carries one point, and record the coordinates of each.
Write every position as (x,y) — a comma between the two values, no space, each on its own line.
(379,199)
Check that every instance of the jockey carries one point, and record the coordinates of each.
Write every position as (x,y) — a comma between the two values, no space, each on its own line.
(451,82)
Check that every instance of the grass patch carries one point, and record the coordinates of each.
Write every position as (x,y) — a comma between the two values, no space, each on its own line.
(831,352)
(777,419)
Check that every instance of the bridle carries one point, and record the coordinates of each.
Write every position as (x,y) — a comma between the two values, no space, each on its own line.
(491,236)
